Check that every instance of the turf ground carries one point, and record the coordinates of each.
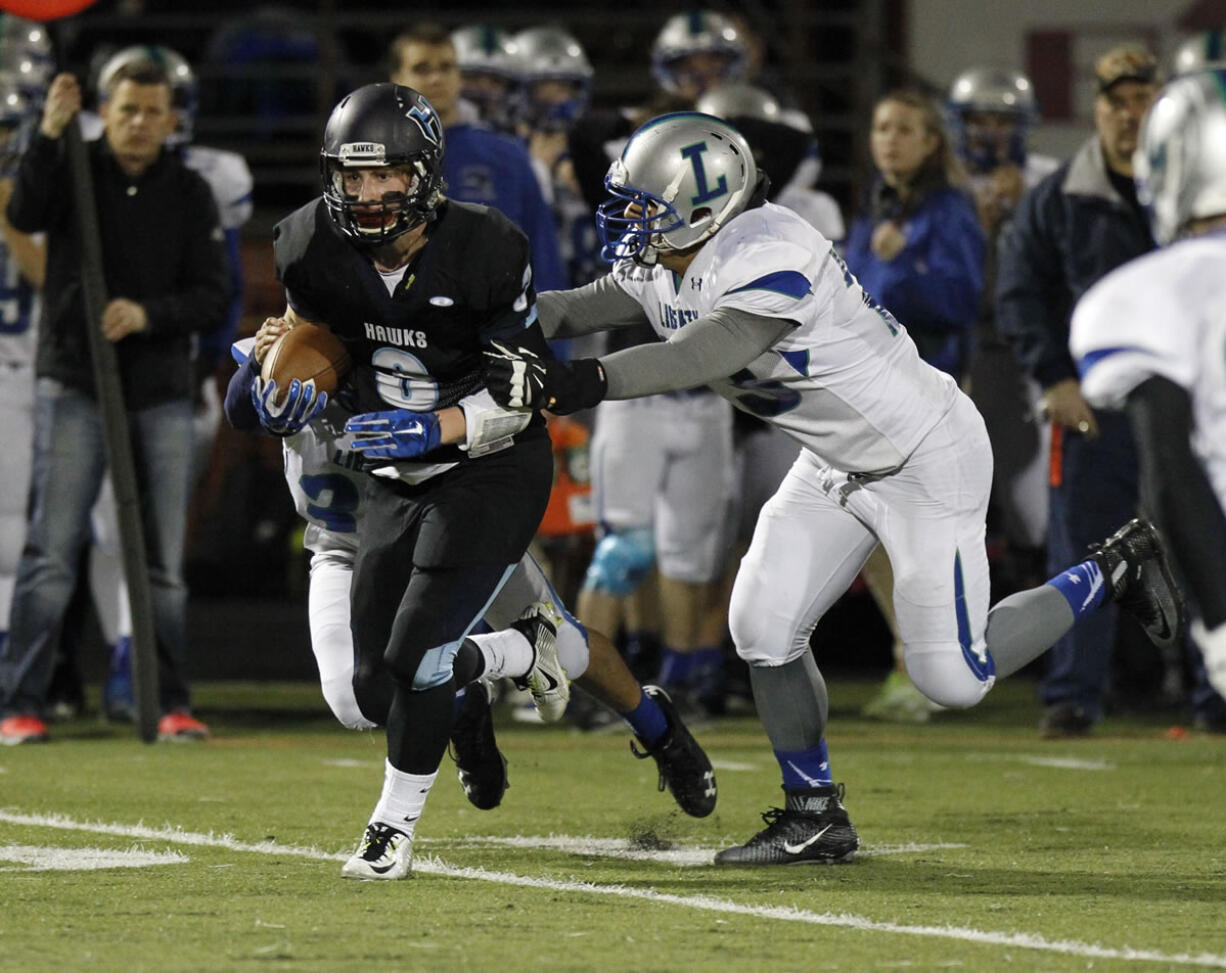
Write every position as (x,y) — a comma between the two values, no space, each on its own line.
(983,849)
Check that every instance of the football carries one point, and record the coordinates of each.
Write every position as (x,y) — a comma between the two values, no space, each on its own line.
(306,352)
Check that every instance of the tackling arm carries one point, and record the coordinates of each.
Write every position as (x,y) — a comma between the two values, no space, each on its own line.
(597,306)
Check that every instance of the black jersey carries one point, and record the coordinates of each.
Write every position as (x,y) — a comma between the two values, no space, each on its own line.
(419,347)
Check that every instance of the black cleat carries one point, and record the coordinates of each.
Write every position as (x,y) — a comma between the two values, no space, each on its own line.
(1135,570)
(684,767)
(813,830)
(481,767)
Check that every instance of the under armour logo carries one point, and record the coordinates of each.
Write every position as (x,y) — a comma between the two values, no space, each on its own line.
(696,283)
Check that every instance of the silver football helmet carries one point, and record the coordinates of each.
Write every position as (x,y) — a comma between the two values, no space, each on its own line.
(26,52)
(696,32)
(1180,162)
(484,49)
(1000,91)
(184,89)
(551,54)
(679,179)
(1203,50)
(740,100)
(18,117)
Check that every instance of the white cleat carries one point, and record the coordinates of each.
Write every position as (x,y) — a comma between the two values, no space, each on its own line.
(546,680)
(384,852)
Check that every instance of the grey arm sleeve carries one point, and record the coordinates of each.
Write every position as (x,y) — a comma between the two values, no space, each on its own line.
(711,347)
(597,306)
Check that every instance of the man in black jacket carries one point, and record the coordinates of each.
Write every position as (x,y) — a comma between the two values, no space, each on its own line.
(165,275)
(1078,224)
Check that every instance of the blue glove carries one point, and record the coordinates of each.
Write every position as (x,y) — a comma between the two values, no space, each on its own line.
(398,434)
(302,404)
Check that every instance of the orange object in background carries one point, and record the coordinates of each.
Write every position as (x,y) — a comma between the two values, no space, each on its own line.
(570,508)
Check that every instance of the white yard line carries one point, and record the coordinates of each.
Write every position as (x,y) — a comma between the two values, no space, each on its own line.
(432,866)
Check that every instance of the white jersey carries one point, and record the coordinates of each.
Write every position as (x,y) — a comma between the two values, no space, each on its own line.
(847,382)
(326,482)
(19,309)
(230,179)
(1162,314)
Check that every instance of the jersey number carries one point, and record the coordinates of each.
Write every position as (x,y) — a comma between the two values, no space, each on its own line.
(334,501)
(402,380)
(763,398)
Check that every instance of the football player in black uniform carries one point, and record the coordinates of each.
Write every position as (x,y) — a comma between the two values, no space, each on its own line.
(416,286)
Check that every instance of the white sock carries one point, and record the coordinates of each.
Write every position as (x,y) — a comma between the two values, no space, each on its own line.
(507,654)
(404,796)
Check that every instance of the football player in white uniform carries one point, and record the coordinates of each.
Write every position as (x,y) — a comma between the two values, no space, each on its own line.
(749,298)
(1151,338)
(23,260)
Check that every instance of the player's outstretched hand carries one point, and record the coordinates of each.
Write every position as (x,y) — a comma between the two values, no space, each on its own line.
(518,378)
(302,404)
(397,434)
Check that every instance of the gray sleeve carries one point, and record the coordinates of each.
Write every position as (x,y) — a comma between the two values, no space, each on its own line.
(711,347)
(597,306)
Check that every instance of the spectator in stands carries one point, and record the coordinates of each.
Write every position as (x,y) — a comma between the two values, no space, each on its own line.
(165,270)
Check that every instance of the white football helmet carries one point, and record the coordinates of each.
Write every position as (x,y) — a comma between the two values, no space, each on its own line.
(740,100)
(679,179)
(1203,50)
(1180,162)
(696,32)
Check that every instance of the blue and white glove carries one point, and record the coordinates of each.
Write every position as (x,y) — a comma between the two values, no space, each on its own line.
(302,404)
(397,434)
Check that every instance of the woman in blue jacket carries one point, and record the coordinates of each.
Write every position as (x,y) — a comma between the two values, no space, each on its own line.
(917,247)
(918,250)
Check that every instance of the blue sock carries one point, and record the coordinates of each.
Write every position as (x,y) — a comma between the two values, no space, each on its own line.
(1083,587)
(647,720)
(708,668)
(803,769)
(676,668)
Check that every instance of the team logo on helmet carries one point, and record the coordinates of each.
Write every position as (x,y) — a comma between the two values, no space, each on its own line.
(426,120)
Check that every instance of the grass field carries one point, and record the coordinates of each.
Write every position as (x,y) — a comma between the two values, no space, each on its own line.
(983,849)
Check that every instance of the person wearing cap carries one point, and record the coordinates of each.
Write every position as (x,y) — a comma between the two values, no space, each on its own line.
(1075,226)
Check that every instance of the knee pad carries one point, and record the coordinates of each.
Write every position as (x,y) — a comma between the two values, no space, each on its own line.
(436,666)
(621,561)
(950,676)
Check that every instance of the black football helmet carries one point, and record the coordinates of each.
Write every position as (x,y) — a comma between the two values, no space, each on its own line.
(382,125)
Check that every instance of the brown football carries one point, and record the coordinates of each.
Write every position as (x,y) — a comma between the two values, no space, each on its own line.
(306,352)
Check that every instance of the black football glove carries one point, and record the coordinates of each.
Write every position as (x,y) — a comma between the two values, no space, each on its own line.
(518,378)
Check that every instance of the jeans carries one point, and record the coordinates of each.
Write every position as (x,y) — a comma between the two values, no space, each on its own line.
(68,468)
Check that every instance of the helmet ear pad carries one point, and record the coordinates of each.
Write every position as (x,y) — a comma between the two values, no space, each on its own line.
(377,126)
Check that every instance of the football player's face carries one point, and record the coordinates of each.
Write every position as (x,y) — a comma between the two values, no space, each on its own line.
(698,72)
(376,186)
(899,141)
(989,132)
(432,70)
(1118,113)
(137,118)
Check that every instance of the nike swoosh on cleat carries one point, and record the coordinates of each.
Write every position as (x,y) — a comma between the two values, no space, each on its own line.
(797,849)
(382,869)
(553,683)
